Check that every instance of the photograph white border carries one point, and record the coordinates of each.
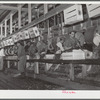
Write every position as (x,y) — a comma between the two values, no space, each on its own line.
(50,94)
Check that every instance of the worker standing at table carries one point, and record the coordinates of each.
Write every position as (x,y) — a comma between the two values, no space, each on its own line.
(27,46)
(96,41)
(22,59)
(59,51)
(80,37)
(32,54)
(41,47)
(95,69)
(71,42)
(2,55)
(60,46)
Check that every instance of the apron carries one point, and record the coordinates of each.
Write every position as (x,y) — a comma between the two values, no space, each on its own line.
(22,64)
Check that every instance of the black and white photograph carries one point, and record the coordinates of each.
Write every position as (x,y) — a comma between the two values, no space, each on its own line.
(50,46)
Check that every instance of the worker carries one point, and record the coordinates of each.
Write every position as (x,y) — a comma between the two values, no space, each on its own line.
(32,50)
(2,55)
(50,47)
(22,59)
(96,41)
(80,37)
(41,51)
(71,42)
(60,46)
(41,47)
(27,52)
(32,54)
(60,49)
(27,47)
(95,69)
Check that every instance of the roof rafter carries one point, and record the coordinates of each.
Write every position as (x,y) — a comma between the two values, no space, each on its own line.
(11,12)
(6,7)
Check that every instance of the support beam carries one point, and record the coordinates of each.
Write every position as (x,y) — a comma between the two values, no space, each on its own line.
(48,27)
(12,12)
(48,15)
(8,64)
(54,20)
(1,26)
(11,23)
(8,16)
(84,70)
(71,72)
(62,31)
(45,8)
(19,16)
(37,13)
(4,7)
(29,13)
(6,28)
(37,65)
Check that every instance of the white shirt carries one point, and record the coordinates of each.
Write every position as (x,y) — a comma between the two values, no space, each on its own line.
(96,39)
(2,52)
(59,44)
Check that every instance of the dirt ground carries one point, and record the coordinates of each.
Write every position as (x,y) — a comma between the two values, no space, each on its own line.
(8,82)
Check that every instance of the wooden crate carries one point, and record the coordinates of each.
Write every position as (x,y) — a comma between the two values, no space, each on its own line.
(93,10)
(73,14)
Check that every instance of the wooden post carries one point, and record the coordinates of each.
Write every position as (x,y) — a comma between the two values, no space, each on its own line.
(71,72)
(29,13)
(1,30)
(8,63)
(28,63)
(6,28)
(37,65)
(37,68)
(61,23)
(84,68)
(45,8)
(48,27)
(73,27)
(45,11)
(48,66)
(11,23)
(54,20)
(15,63)
(19,16)
(37,12)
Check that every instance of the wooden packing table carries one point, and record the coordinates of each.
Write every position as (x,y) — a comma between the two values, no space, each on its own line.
(55,61)
(71,63)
